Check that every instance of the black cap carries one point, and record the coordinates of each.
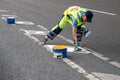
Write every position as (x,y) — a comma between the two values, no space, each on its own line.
(89,16)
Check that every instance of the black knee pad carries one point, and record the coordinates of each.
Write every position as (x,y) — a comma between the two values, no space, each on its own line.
(79,37)
(51,35)
(57,30)
(54,33)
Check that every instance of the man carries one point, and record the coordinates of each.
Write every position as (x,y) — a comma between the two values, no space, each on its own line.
(77,17)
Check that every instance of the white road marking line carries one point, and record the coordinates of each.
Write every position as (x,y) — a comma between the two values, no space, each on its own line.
(35,32)
(70,49)
(113,14)
(24,22)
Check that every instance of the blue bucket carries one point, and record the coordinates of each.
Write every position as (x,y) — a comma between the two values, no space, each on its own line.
(10,20)
(60,51)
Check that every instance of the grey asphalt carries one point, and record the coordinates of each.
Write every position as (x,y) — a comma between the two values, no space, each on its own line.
(23,59)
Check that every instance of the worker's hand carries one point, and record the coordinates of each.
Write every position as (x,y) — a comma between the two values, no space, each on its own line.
(76,45)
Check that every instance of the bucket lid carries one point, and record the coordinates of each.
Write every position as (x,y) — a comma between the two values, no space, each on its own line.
(59,47)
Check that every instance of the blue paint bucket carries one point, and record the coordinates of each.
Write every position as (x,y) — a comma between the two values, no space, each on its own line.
(60,51)
(11,20)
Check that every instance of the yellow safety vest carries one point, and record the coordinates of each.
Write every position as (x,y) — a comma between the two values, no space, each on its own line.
(75,11)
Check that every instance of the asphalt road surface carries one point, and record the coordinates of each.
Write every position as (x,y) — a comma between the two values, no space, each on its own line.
(23,58)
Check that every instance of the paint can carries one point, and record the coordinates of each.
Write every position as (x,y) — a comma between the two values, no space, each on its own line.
(10,20)
(59,51)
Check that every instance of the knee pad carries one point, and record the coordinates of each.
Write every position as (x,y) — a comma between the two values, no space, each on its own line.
(57,30)
(52,34)
(79,37)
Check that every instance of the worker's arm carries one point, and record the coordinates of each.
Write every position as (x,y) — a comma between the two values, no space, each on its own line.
(74,30)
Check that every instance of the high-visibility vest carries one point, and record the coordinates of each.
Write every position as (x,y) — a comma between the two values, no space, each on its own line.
(76,12)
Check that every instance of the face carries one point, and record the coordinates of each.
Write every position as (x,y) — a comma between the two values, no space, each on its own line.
(84,18)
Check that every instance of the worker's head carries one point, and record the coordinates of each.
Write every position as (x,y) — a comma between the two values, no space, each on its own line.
(89,16)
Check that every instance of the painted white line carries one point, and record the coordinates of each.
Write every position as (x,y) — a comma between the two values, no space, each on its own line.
(70,49)
(102,12)
(35,32)
(24,22)
(80,69)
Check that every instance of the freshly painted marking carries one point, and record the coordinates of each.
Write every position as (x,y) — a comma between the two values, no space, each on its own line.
(105,76)
(102,12)
(37,32)
(24,22)
(70,49)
